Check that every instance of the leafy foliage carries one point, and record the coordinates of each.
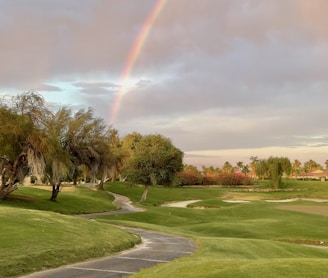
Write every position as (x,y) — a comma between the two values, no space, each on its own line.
(35,140)
(154,161)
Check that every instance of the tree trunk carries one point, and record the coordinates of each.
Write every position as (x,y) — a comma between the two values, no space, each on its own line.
(55,191)
(9,176)
(74,180)
(100,186)
(5,190)
(144,194)
(75,175)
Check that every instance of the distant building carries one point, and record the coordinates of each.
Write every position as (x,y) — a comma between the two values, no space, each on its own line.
(313,175)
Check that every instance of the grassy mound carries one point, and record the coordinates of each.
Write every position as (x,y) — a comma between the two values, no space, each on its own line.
(34,239)
(76,200)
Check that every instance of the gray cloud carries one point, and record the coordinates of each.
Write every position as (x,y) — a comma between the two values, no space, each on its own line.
(211,74)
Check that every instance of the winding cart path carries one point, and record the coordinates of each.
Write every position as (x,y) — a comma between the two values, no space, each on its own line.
(155,248)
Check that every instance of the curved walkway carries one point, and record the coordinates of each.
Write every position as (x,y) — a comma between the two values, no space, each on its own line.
(120,201)
(155,248)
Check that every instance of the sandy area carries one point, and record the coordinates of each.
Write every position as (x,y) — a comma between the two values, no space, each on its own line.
(236,201)
(322,210)
(182,204)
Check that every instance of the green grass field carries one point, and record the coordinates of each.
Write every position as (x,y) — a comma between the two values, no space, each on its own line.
(33,237)
(77,200)
(254,239)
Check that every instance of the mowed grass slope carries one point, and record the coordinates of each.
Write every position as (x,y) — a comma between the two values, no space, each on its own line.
(76,200)
(255,239)
(33,240)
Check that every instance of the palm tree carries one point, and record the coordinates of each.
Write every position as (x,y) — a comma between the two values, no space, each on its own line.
(240,165)
(227,168)
(245,170)
(296,167)
(254,161)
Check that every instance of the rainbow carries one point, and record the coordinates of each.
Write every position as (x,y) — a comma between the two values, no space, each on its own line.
(133,56)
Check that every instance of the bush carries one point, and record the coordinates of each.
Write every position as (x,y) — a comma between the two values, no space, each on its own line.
(235,179)
(212,179)
(229,179)
(188,178)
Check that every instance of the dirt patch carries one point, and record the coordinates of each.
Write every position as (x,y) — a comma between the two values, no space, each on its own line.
(319,210)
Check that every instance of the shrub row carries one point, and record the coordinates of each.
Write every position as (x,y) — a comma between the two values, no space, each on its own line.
(229,179)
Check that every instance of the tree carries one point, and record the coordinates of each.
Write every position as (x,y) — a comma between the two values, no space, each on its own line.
(245,170)
(20,140)
(227,168)
(115,145)
(296,167)
(286,165)
(155,161)
(82,134)
(107,148)
(277,167)
(56,157)
(254,160)
(240,165)
(261,168)
(210,170)
(311,165)
(74,142)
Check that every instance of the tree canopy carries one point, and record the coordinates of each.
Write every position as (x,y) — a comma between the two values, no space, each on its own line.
(154,160)
(50,144)
(58,146)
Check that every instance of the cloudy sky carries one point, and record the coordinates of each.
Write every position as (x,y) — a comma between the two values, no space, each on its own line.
(224,79)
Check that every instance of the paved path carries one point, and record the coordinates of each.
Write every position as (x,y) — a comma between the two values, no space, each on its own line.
(120,201)
(155,248)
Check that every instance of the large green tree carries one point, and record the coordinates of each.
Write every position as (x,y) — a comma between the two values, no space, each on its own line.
(56,157)
(118,155)
(278,166)
(20,139)
(154,161)
(35,140)
(82,136)
(261,168)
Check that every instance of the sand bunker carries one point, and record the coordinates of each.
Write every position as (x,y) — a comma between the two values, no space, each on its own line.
(182,204)
(235,201)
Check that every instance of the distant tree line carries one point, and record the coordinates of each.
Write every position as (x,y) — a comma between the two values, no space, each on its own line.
(272,168)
